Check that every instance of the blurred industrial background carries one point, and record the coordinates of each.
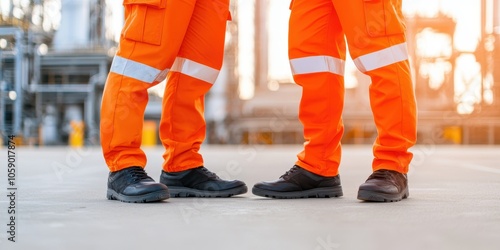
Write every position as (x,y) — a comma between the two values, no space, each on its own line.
(55,56)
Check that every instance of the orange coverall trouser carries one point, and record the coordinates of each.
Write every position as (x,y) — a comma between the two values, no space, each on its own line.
(374,31)
(182,41)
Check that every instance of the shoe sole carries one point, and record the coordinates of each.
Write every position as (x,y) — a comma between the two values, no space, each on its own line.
(311,193)
(183,192)
(366,195)
(149,197)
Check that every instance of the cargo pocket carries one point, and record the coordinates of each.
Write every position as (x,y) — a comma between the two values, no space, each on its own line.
(383,17)
(144,20)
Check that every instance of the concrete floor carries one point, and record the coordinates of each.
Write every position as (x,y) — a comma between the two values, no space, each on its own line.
(454,204)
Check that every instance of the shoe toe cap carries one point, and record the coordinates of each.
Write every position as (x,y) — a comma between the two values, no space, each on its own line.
(379,187)
(144,188)
(277,186)
(233,184)
(219,185)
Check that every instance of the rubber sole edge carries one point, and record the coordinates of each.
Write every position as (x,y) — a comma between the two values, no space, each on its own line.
(311,193)
(145,198)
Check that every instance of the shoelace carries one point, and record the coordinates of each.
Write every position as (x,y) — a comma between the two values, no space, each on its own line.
(138,174)
(383,174)
(209,173)
(292,170)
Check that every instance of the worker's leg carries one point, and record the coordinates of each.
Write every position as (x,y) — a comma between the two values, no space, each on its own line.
(182,127)
(317,54)
(375,34)
(150,41)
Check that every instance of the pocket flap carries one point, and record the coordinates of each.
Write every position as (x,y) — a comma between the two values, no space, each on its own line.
(153,3)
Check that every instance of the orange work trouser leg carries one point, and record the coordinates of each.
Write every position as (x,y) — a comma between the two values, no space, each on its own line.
(317,53)
(182,127)
(151,39)
(377,43)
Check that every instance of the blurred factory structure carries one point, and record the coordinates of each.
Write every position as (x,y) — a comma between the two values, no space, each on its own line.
(53,62)
(55,56)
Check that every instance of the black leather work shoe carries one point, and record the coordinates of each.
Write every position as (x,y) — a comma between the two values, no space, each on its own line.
(134,185)
(300,183)
(200,182)
(384,186)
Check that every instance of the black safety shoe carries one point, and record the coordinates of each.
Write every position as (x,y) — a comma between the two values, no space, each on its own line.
(300,183)
(200,182)
(134,185)
(385,186)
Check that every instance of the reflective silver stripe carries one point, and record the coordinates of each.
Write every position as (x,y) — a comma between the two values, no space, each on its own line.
(137,70)
(381,58)
(316,64)
(195,70)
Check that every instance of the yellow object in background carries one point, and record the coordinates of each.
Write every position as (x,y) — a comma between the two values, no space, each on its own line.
(149,134)
(76,135)
(453,134)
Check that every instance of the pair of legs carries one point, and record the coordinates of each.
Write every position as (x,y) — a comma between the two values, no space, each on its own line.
(374,31)
(181,41)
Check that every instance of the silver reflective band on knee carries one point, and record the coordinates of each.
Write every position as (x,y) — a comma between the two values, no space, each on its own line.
(316,64)
(382,58)
(137,70)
